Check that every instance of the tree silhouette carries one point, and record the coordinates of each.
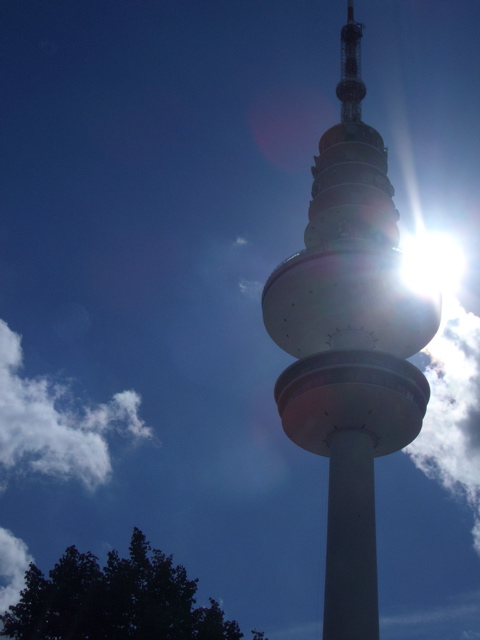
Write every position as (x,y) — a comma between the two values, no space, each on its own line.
(142,597)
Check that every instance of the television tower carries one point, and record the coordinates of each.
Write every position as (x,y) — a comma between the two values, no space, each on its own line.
(341,307)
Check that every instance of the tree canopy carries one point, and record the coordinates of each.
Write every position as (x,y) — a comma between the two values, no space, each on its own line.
(142,597)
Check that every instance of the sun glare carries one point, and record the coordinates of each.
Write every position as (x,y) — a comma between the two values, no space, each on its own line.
(433,262)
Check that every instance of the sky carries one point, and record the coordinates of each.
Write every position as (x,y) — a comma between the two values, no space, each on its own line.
(155,168)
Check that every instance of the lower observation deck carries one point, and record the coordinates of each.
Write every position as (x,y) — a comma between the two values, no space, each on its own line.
(371,391)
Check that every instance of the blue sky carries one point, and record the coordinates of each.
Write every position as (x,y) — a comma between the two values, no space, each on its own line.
(155,168)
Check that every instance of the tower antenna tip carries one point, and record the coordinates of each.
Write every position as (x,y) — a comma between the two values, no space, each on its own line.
(350,11)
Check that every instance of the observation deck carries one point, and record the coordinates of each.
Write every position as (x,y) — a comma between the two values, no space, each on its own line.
(327,393)
(352,297)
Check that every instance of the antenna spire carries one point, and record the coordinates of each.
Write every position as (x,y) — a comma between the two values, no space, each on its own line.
(351,90)
(350,11)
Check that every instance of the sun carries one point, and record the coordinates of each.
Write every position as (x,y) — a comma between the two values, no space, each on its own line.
(433,262)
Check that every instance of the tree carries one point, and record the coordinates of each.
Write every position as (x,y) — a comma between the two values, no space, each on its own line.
(142,597)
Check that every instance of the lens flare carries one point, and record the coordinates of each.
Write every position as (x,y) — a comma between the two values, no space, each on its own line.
(433,262)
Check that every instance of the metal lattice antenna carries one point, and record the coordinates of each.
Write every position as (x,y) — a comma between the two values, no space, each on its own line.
(351,89)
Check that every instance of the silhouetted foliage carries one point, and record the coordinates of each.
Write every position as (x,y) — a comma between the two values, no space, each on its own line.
(142,597)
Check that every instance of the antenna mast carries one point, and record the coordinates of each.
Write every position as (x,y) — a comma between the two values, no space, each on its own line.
(351,90)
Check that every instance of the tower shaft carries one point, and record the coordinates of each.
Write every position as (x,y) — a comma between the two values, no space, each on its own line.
(351,598)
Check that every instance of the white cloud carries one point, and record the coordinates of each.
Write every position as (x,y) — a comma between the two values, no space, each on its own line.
(446,620)
(41,428)
(240,242)
(306,631)
(14,562)
(448,448)
(430,616)
(251,288)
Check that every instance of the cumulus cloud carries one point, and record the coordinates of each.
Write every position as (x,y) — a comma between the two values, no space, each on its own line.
(14,562)
(448,448)
(42,429)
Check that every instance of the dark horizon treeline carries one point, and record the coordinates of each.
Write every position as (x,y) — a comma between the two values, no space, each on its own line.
(142,597)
